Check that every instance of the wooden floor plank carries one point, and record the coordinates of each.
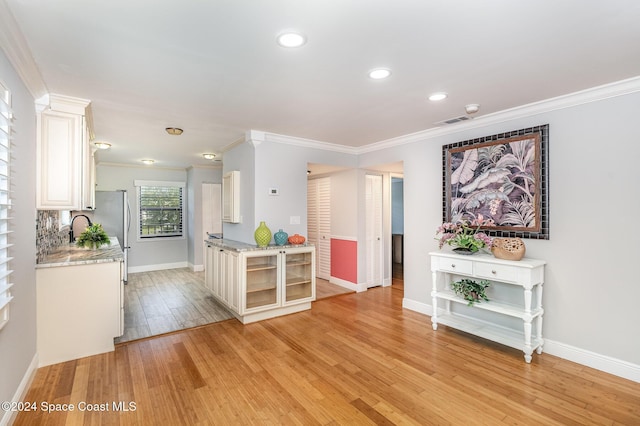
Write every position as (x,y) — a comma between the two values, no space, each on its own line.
(357,358)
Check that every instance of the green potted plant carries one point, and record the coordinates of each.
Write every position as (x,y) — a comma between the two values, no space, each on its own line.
(93,237)
(470,290)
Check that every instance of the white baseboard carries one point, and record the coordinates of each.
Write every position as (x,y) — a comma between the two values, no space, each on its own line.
(344,283)
(158,267)
(196,268)
(10,416)
(420,307)
(605,363)
(348,284)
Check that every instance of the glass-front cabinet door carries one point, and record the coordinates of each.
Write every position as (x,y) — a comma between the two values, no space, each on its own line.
(298,275)
(261,281)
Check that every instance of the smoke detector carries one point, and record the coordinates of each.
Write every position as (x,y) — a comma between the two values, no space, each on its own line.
(472,108)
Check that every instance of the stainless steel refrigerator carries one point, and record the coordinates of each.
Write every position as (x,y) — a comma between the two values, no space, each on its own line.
(113,213)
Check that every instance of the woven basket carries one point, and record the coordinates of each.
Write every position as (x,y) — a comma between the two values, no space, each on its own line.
(508,248)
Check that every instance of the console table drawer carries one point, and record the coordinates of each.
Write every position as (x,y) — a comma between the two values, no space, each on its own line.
(452,265)
(502,273)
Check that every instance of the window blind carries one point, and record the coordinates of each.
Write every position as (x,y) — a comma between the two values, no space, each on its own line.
(160,210)
(6,117)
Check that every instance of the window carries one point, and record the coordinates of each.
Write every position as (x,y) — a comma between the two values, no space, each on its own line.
(160,209)
(5,202)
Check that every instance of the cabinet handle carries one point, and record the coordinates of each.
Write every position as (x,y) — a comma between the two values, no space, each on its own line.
(493,272)
(453,265)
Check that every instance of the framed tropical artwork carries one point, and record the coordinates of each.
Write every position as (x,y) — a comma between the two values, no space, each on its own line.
(501,177)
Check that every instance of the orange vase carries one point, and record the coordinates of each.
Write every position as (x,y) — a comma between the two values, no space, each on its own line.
(296,239)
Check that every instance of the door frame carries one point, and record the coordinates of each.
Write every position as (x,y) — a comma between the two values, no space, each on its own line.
(380,237)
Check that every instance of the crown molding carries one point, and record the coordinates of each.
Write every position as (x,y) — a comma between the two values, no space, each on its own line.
(207,167)
(598,93)
(17,50)
(255,137)
(232,145)
(309,143)
(140,166)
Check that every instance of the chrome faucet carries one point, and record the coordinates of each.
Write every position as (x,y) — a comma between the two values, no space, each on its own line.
(71,237)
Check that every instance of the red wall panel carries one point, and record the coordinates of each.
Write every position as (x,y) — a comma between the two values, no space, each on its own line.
(344,260)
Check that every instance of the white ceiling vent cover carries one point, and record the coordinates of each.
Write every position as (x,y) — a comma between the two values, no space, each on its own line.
(453,120)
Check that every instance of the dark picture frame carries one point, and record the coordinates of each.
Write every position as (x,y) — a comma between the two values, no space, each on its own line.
(503,177)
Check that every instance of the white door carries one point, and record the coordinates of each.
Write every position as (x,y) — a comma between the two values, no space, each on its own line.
(211,213)
(319,223)
(373,219)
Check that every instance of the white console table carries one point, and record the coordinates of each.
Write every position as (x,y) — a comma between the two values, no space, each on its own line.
(447,267)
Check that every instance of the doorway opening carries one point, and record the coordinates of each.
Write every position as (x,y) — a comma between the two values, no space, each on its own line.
(397,231)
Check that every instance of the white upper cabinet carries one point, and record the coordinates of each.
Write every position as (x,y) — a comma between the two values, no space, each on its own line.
(65,162)
(231,197)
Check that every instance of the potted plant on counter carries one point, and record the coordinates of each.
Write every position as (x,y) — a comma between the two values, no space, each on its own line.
(93,237)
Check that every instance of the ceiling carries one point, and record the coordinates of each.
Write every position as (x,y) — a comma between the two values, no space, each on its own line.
(214,69)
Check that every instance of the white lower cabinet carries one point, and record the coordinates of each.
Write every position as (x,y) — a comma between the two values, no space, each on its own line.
(79,310)
(261,284)
(221,273)
(512,316)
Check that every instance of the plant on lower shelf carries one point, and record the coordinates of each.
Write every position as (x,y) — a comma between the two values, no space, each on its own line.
(471,290)
(93,237)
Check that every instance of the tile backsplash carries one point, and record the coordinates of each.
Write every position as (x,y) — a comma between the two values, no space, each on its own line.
(48,233)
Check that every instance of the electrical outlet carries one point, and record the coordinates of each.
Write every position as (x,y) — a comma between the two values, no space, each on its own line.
(294,220)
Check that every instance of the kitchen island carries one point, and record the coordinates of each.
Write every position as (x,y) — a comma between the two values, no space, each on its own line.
(256,283)
(79,302)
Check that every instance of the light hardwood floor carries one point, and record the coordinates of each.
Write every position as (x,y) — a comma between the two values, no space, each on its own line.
(160,302)
(325,289)
(358,358)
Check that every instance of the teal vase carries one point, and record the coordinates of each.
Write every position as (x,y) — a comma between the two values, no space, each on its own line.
(280,237)
(262,235)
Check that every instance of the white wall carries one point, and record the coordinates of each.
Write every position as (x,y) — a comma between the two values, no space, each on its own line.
(591,291)
(196,176)
(242,159)
(283,167)
(18,337)
(144,255)
(344,206)
(272,164)
(397,203)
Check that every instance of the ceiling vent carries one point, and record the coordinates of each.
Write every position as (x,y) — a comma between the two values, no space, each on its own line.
(453,120)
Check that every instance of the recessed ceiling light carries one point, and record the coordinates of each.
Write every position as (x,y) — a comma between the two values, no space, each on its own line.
(102,145)
(176,131)
(379,73)
(148,162)
(438,96)
(291,39)
(209,156)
